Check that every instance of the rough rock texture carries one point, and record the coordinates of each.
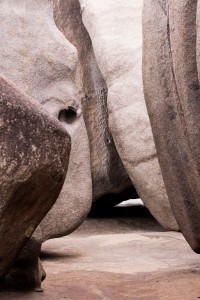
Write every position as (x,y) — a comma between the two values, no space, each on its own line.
(108,173)
(171,63)
(39,59)
(116,48)
(34,159)
(36,56)
(47,72)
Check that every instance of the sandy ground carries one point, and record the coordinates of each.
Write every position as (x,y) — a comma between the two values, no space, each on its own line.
(123,254)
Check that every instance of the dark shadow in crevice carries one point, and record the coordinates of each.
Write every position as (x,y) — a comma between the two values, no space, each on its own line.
(108,201)
(67,115)
(50,255)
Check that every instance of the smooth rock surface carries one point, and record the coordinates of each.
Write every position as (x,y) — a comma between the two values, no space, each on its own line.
(108,173)
(172,94)
(118,257)
(36,56)
(113,43)
(75,199)
(35,150)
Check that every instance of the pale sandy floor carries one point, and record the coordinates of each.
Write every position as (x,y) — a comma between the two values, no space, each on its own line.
(124,254)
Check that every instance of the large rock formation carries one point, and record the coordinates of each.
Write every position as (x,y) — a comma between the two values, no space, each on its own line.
(113,43)
(35,151)
(48,74)
(108,173)
(38,58)
(172,92)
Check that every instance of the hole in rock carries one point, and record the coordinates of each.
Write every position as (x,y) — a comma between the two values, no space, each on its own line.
(67,115)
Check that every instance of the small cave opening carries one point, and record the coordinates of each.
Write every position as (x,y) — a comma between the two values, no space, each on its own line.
(67,115)
(104,205)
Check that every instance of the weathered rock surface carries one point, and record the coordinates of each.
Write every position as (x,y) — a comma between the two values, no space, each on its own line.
(171,63)
(35,151)
(36,56)
(48,74)
(114,44)
(75,199)
(108,173)
(39,59)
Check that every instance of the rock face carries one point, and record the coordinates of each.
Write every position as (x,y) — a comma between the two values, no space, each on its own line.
(36,56)
(108,173)
(34,159)
(114,94)
(171,81)
(48,74)
(39,59)
(74,201)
